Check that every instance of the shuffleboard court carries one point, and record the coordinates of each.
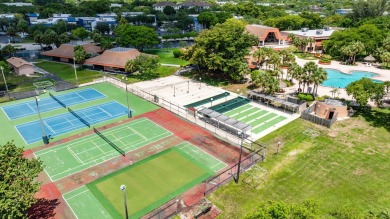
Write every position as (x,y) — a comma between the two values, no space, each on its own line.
(74,156)
(154,180)
(63,123)
(28,108)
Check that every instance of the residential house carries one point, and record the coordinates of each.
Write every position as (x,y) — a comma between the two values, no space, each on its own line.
(20,66)
(159,6)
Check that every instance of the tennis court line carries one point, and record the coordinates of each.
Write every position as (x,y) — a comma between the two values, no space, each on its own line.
(104,111)
(93,160)
(31,108)
(44,170)
(219,161)
(102,158)
(74,155)
(2,108)
(49,127)
(51,101)
(70,128)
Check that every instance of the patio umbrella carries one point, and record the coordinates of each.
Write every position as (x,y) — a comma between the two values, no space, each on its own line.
(369,59)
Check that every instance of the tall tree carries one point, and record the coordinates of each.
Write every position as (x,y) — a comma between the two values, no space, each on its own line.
(365,89)
(169,10)
(309,68)
(319,76)
(103,27)
(80,55)
(8,50)
(80,33)
(18,183)
(260,55)
(140,37)
(11,32)
(22,26)
(368,9)
(146,65)
(223,48)
(207,19)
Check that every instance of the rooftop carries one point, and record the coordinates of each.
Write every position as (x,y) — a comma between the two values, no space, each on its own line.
(334,102)
(17,62)
(311,33)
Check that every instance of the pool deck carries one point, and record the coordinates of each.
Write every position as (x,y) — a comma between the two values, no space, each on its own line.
(383,75)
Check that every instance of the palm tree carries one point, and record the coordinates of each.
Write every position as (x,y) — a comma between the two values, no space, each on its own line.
(297,73)
(319,76)
(275,60)
(309,68)
(260,55)
(272,85)
(130,66)
(310,41)
(358,47)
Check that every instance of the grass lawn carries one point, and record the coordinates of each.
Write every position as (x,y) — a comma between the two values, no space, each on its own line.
(20,83)
(27,40)
(345,166)
(150,182)
(306,56)
(66,71)
(166,56)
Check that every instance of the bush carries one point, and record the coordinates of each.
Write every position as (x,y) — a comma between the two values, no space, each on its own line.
(306,97)
(288,83)
(177,53)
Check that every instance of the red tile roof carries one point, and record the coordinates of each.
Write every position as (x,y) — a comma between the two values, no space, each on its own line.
(17,62)
(66,50)
(116,57)
(262,31)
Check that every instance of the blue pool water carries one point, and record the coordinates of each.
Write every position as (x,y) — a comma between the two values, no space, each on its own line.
(339,79)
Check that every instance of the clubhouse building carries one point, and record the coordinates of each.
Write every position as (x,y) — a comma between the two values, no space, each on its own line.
(113,59)
(65,53)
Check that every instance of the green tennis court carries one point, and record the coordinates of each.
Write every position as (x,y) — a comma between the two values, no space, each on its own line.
(89,207)
(74,156)
(150,182)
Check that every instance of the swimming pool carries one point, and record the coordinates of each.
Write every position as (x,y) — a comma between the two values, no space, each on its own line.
(339,79)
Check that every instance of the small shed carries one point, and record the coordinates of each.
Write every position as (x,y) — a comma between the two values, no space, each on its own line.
(329,108)
(20,66)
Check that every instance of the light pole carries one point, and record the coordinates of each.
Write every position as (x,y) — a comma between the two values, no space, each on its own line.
(44,136)
(5,82)
(128,107)
(174,91)
(123,188)
(211,101)
(240,133)
(200,83)
(188,87)
(75,72)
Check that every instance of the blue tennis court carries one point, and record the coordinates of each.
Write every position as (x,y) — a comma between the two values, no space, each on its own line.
(46,104)
(67,122)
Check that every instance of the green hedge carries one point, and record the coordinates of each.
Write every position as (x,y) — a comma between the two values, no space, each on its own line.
(178,36)
(306,97)
(177,53)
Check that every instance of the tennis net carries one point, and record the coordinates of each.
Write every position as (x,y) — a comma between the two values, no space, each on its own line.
(81,119)
(109,142)
(58,101)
